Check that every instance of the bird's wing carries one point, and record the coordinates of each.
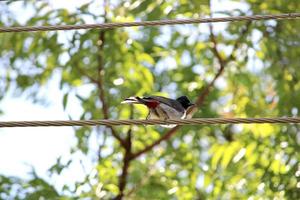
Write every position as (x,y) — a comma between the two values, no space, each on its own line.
(169,102)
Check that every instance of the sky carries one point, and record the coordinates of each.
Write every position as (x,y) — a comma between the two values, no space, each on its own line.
(24,148)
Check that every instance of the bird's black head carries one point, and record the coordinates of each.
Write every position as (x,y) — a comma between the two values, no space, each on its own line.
(185,102)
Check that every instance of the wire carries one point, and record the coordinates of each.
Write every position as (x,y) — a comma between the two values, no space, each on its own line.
(111,122)
(148,23)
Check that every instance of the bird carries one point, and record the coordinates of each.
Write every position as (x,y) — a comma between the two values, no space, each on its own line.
(163,108)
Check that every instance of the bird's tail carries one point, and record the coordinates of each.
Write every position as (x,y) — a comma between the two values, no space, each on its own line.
(133,100)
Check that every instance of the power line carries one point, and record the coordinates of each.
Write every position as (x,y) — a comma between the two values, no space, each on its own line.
(111,122)
(148,23)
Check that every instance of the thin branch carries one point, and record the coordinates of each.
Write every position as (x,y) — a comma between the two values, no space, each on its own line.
(101,40)
(142,182)
(87,179)
(102,145)
(222,62)
(105,106)
(82,71)
(126,161)
(238,41)
(166,136)
(215,47)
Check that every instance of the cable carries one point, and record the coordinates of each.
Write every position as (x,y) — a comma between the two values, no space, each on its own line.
(148,23)
(111,122)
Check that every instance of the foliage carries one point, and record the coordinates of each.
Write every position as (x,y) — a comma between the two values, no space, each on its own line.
(260,78)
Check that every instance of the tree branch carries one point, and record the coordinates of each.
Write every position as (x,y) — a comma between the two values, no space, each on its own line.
(166,136)
(238,41)
(101,72)
(126,161)
(222,64)
(105,106)
(82,71)
(101,146)
(142,182)
(215,47)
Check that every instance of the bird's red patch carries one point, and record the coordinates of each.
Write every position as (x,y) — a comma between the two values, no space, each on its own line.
(151,103)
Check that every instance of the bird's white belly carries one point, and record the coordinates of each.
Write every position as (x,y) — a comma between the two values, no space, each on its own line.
(171,112)
(164,112)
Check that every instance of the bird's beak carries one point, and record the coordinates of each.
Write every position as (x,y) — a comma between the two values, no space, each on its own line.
(130,100)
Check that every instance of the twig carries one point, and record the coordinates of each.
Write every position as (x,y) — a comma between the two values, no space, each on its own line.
(142,182)
(238,42)
(126,161)
(166,136)
(82,71)
(215,47)
(101,146)
(105,106)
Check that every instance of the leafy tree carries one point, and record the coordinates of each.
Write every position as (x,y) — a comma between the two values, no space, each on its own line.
(241,69)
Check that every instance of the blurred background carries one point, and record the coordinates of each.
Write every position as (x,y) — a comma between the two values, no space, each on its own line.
(85,74)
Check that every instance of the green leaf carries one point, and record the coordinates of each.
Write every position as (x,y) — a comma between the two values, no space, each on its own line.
(65,100)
